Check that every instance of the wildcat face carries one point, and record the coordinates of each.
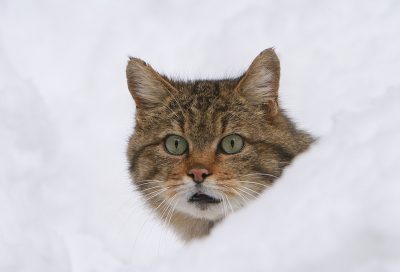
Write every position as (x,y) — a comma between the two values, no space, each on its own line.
(203,149)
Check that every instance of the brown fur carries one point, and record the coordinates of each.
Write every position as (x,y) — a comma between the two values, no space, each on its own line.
(203,112)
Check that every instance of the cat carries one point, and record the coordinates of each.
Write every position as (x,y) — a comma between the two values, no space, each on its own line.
(205,148)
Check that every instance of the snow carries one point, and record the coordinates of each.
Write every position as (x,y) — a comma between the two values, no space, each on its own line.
(66,203)
(335,209)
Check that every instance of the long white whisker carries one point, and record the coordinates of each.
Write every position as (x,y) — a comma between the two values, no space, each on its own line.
(223,205)
(115,215)
(259,174)
(137,236)
(238,202)
(226,207)
(239,194)
(226,196)
(160,205)
(162,190)
(171,213)
(153,194)
(257,193)
(129,188)
(159,192)
(245,181)
(171,110)
(148,182)
(154,187)
(246,192)
(151,180)
(168,208)
(183,113)
(173,209)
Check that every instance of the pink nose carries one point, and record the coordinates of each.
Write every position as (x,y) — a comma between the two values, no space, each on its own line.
(198,174)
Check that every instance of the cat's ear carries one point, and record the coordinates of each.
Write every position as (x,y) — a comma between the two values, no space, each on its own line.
(146,86)
(260,83)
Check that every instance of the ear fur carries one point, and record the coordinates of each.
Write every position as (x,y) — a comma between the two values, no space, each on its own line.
(146,86)
(260,83)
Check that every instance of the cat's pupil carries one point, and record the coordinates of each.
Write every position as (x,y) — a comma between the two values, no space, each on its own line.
(232,143)
(176,143)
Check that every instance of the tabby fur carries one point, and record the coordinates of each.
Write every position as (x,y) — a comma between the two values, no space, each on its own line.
(203,112)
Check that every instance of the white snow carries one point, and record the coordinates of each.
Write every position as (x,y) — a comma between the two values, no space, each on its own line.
(66,203)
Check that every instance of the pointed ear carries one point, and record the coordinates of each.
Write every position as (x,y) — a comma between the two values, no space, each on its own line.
(260,83)
(146,86)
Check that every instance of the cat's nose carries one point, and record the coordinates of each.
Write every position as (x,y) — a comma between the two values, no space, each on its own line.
(198,174)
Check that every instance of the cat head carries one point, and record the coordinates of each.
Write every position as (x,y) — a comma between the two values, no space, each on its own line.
(206,148)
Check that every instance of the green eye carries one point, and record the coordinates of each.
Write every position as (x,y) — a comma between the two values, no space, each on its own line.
(232,144)
(175,145)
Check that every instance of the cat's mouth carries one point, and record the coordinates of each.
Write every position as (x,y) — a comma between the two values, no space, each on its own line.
(200,197)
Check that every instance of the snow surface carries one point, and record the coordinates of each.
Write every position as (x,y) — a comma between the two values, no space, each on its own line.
(66,203)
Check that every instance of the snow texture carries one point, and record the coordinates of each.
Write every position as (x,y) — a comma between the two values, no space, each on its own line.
(66,203)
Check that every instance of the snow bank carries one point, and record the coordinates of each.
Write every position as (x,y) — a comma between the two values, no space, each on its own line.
(27,148)
(334,209)
(66,203)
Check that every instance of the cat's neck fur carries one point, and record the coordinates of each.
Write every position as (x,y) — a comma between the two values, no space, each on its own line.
(189,228)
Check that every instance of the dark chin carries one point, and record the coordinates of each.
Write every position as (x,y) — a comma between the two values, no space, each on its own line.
(203,201)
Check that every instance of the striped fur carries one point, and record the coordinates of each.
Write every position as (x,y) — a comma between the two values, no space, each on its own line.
(203,112)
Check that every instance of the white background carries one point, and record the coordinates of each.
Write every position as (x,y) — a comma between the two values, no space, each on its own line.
(66,203)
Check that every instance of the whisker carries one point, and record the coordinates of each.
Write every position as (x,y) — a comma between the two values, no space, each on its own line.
(173,208)
(176,185)
(226,197)
(172,213)
(131,188)
(251,190)
(152,188)
(246,192)
(238,202)
(183,113)
(115,215)
(137,236)
(239,194)
(159,192)
(144,182)
(259,174)
(168,208)
(227,201)
(224,208)
(245,181)
(171,109)
(155,115)
(151,180)
(156,192)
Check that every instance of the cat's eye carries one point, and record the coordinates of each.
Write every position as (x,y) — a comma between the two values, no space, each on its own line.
(175,145)
(232,144)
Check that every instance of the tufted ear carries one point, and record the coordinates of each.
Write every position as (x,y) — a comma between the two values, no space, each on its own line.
(146,86)
(260,83)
